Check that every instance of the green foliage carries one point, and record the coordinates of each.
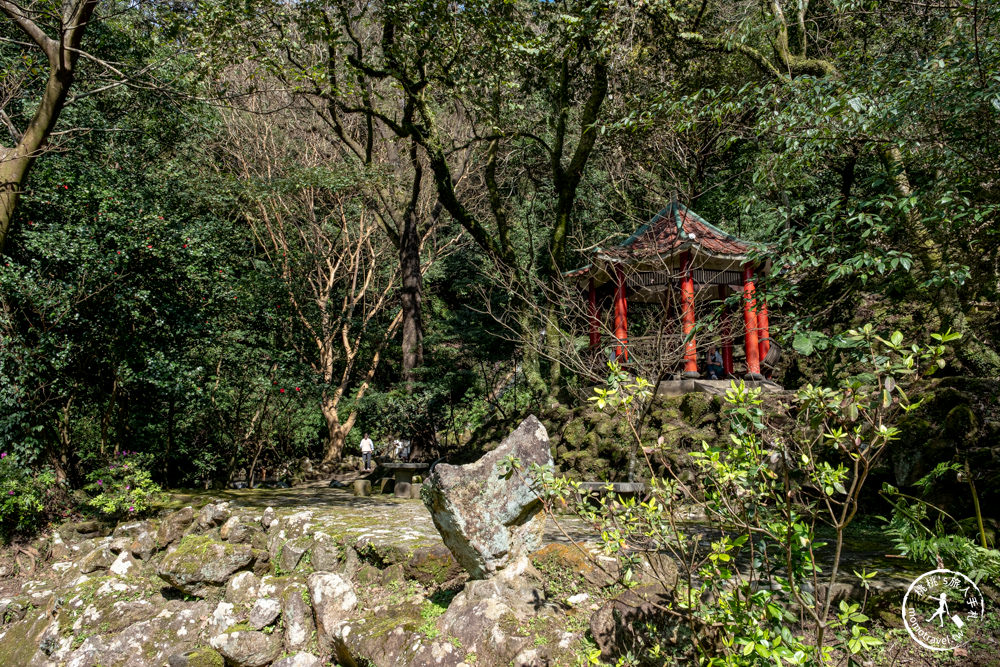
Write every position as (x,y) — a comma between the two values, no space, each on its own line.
(23,495)
(764,493)
(929,534)
(123,487)
(430,610)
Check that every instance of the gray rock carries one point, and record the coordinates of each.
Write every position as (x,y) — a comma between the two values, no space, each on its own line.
(274,587)
(139,538)
(267,518)
(489,520)
(333,599)
(362,487)
(82,530)
(125,565)
(288,528)
(390,644)
(119,544)
(292,552)
(246,648)
(242,588)
(200,565)
(297,616)
(325,555)
(299,660)
(479,616)
(265,611)
(238,530)
(172,629)
(98,559)
(225,616)
(173,526)
(213,514)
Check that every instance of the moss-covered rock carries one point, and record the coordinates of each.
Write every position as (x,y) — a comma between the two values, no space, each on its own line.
(567,571)
(574,433)
(201,565)
(961,425)
(695,406)
(248,648)
(432,566)
(202,656)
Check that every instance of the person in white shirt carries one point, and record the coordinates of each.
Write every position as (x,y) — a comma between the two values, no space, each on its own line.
(367,447)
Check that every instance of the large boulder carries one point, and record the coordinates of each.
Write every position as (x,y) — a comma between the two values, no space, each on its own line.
(490,520)
(333,599)
(138,538)
(297,616)
(173,526)
(200,565)
(245,648)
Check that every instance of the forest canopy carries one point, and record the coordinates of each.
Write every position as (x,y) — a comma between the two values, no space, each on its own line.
(234,232)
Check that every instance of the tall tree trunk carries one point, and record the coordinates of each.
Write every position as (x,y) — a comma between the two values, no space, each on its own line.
(982,359)
(62,54)
(59,458)
(412,280)
(336,431)
(108,413)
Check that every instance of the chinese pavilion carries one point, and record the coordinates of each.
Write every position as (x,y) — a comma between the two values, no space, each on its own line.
(682,263)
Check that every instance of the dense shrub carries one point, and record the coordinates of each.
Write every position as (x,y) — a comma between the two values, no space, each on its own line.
(122,487)
(22,496)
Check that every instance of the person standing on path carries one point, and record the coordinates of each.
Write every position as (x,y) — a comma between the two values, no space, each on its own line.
(367,447)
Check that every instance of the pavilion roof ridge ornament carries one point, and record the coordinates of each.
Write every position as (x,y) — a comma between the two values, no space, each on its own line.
(672,231)
(675,229)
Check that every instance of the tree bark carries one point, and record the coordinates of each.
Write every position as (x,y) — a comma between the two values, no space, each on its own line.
(412,280)
(975,354)
(62,54)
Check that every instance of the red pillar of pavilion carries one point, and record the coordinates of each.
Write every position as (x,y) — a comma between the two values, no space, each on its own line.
(621,316)
(727,333)
(751,343)
(687,316)
(595,322)
(764,344)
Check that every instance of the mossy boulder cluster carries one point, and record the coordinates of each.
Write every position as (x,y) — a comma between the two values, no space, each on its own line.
(593,445)
(290,587)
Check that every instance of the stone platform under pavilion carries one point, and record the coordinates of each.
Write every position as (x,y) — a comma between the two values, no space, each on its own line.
(713,387)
